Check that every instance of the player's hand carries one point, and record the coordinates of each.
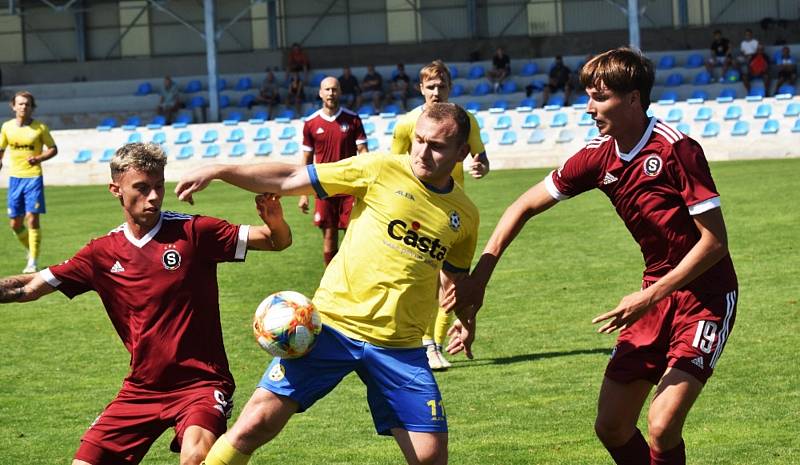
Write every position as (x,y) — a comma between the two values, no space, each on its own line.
(33,161)
(462,334)
(627,312)
(464,297)
(303,204)
(194,181)
(269,207)
(478,168)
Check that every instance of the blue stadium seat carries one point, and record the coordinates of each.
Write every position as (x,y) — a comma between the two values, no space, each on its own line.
(108,154)
(711,129)
(699,96)
(246,100)
(144,88)
(564,136)
(453,72)
(235,136)
(106,124)
(187,151)
(771,126)
(529,69)
(499,106)
(785,89)
(683,127)
(758,92)
(244,83)
(391,108)
(366,110)
(476,72)
(224,101)
(502,122)
(695,60)
(537,85)
(733,112)
(674,80)
(702,78)
(508,87)
(132,123)
(555,101)
(157,122)
(559,120)
(369,128)
(285,115)
(728,92)
(666,62)
(309,111)
(264,149)
(532,121)
(763,111)
(527,103)
(212,151)
(233,118)
(473,106)
(238,150)
(485,137)
(134,138)
(586,120)
(457,90)
(197,101)
(667,97)
(591,133)
(536,137)
(703,114)
(159,138)
(483,88)
(290,148)
(192,87)
(581,99)
(675,115)
(731,75)
(389,129)
(261,115)
(289,132)
(262,134)
(741,128)
(372,144)
(796,127)
(83,156)
(316,80)
(182,120)
(792,110)
(210,136)
(222,84)
(508,138)
(184,137)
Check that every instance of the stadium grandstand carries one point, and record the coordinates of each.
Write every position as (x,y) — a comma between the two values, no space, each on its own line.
(96,69)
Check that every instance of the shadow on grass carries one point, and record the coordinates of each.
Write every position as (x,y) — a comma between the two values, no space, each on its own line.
(462,363)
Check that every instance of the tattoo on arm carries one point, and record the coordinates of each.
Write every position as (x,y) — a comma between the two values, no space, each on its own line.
(12,289)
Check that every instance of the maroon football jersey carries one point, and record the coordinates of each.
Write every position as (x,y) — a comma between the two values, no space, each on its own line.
(656,188)
(161,294)
(333,138)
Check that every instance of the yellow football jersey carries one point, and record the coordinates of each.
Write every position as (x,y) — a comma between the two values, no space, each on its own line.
(404,134)
(381,287)
(21,142)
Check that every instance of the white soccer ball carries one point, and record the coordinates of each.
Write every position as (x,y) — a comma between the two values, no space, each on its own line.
(286,324)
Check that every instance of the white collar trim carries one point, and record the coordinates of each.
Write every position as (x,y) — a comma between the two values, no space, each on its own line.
(147,237)
(327,118)
(642,142)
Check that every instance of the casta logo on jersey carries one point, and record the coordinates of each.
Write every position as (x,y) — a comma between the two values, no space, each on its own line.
(401,231)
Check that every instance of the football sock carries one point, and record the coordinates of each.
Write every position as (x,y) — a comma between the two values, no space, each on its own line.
(34,241)
(430,330)
(22,236)
(634,452)
(440,327)
(223,453)
(328,256)
(674,456)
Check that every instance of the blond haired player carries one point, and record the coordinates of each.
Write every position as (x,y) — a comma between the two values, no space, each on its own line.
(435,84)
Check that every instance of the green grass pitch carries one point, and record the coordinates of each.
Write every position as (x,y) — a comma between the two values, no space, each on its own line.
(527,398)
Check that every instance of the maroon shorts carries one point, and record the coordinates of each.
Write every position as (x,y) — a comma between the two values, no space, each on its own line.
(333,212)
(129,425)
(686,330)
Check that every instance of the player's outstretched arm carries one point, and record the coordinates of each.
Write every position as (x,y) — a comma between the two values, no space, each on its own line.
(275,234)
(278,178)
(23,288)
(711,248)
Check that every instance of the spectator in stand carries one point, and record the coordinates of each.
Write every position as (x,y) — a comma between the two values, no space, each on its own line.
(297,61)
(268,94)
(372,87)
(748,48)
(351,92)
(720,55)
(400,84)
(169,103)
(787,69)
(560,79)
(501,68)
(757,67)
(296,93)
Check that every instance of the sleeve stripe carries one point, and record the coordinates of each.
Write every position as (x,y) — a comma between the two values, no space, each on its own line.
(704,206)
(453,269)
(307,148)
(241,244)
(49,277)
(312,173)
(361,141)
(552,189)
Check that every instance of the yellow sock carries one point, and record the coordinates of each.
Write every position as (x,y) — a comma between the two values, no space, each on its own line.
(34,241)
(22,236)
(441,326)
(427,338)
(223,453)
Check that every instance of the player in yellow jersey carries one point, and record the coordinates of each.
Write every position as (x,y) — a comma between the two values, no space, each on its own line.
(410,222)
(435,84)
(25,138)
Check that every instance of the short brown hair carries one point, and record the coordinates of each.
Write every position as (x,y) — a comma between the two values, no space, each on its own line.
(450,111)
(621,70)
(436,69)
(27,95)
(147,158)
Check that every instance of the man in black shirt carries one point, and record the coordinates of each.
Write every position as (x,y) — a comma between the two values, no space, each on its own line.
(559,80)
(351,92)
(501,68)
(720,55)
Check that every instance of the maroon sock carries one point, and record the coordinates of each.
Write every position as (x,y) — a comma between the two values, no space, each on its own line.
(634,452)
(329,256)
(674,456)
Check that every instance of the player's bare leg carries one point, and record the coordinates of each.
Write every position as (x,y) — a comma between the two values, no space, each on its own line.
(80,462)
(330,243)
(422,448)
(618,409)
(196,443)
(675,394)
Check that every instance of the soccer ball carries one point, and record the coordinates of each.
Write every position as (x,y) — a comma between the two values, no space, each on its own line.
(286,324)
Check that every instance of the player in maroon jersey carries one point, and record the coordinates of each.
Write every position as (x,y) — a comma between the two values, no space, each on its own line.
(672,331)
(157,277)
(331,134)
